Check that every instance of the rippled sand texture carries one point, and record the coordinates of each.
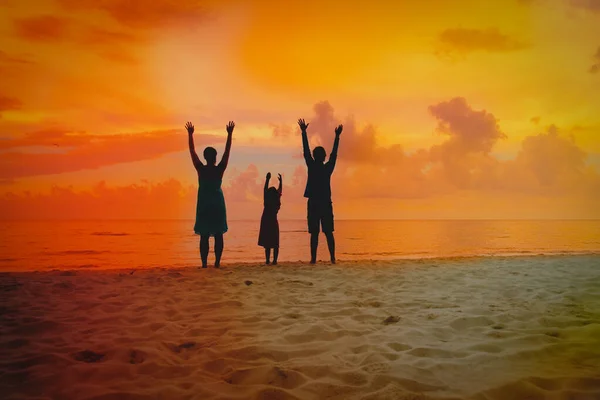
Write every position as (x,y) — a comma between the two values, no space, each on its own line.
(500,328)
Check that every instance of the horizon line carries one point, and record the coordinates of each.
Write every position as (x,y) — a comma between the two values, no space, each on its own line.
(297,219)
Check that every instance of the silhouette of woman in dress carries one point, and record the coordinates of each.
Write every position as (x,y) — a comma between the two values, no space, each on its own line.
(211,214)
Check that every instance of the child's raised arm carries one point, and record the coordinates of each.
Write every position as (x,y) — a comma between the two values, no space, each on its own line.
(267,183)
(280,184)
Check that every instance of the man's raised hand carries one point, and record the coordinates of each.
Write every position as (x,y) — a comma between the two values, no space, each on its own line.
(230,127)
(303,125)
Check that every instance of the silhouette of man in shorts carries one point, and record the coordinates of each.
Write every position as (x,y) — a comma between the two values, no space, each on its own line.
(318,192)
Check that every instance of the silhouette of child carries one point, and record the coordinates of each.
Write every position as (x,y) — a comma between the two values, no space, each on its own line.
(268,236)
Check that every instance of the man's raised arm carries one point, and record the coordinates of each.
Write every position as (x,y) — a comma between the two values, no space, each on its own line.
(336,144)
(305,148)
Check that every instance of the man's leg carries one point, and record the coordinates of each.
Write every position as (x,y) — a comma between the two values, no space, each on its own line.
(268,255)
(218,249)
(204,247)
(313,228)
(331,245)
(328,230)
(275,255)
(314,243)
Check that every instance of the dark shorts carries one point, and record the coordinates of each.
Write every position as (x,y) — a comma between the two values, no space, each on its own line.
(320,216)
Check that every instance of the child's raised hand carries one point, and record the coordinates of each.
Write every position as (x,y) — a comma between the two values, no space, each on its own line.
(268,175)
(279,177)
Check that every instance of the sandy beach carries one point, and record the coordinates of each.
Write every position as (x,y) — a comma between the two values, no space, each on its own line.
(473,328)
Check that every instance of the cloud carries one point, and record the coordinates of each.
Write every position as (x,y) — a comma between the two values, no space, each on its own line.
(5,58)
(49,28)
(469,130)
(589,5)
(592,6)
(464,161)
(549,165)
(48,137)
(462,41)
(151,15)
(168,199)
(359,143)
(84,151)
(44,28)
(9,103)
(596,65)
(244,186)
(281,130)
(106,43)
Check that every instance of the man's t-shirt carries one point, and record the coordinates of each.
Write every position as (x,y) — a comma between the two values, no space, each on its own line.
(318,185)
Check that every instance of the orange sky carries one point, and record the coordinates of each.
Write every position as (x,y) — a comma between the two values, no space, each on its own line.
(452,109)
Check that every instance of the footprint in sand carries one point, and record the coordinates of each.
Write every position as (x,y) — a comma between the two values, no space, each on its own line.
(399,346)
(305,283)
(137,357)
(88,356)
(180,347)
(16,343)
(248,283)
(391,320)
(64,285)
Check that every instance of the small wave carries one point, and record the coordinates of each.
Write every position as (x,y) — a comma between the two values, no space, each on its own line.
(87,266)
(74,252)
(109,234)
(8,259)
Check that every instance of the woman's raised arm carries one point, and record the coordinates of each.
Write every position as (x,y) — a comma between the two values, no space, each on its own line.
(195,159)
(225,159)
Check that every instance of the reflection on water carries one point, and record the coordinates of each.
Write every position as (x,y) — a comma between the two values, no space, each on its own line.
(133,244)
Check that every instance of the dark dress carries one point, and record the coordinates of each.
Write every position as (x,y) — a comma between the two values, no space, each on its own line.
(268,236)
(211,213)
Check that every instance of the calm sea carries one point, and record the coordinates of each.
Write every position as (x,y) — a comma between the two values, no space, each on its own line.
(45,245)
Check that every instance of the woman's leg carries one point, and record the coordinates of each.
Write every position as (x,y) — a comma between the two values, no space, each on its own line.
(218,249)
(204,247)
(268,255)
(275,255)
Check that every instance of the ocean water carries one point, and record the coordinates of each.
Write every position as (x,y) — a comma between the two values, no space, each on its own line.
(47,245)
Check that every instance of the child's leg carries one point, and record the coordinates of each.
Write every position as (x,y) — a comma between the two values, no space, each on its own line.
(275,255)
(268,255)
